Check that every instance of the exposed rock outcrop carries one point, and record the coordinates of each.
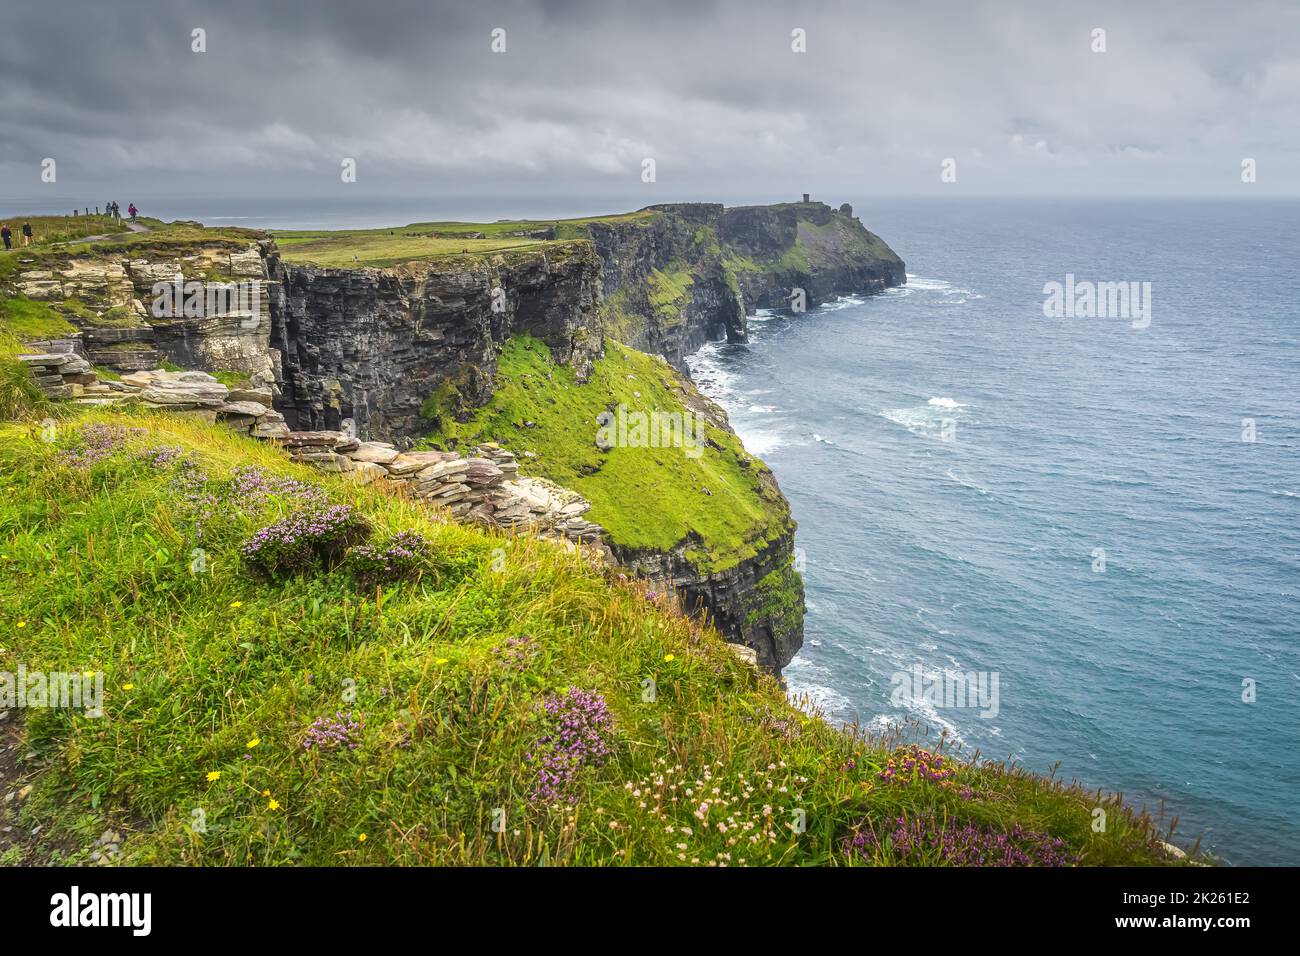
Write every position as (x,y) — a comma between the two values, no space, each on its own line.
(485,487)
(370,346)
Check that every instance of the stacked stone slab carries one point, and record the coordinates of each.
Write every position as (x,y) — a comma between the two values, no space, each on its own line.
(66,375)
(59,374)
(485,487)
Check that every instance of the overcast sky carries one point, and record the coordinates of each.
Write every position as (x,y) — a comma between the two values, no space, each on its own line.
(585,91)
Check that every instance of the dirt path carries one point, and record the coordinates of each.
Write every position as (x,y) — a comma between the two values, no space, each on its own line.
(132,226)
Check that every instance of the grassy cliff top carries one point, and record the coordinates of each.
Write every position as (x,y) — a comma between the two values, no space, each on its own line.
(316,718)
(431,240)
(49,230)
(64,236)
(721,504)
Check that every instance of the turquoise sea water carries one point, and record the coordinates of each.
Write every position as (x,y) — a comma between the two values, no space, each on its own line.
(955,460)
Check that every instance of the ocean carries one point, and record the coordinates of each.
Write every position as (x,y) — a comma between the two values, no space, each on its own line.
(1099,514)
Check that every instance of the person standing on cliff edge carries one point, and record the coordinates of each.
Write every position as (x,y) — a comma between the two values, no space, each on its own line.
(131,211)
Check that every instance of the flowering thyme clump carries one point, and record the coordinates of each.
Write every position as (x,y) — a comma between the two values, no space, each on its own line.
(783,725)
(927,840)
(328,733)
(94,443)
(398,558)
(577,722)
(296,541)
(913,763)
(161,456)
(251,485)
(515,653)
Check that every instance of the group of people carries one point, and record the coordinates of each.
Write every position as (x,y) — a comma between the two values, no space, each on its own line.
(115,211)
(7,234)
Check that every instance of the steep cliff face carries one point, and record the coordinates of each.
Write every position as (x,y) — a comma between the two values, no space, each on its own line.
(681,274)
(667,290)
(774,250)
(758,602)
(371,346)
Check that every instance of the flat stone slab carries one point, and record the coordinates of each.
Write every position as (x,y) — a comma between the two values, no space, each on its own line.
(410,462)
(373,452)
(255,409)
(320,439)
(50,359)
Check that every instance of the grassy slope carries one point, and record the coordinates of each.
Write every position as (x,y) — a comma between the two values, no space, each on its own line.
(222,673)
(645,497)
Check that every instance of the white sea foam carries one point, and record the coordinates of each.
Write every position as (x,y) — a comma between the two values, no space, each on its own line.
(843,302)
(966,482)
(948,293)
(759,441)
(926,420)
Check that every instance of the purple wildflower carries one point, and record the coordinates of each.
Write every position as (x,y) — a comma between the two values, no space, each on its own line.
(94,443)
(914,763)
(295,541)
(399,557)
(577,722)
(329,733)
(924,837)
(515,653)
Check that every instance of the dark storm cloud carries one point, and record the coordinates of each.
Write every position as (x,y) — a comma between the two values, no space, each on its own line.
(710,90)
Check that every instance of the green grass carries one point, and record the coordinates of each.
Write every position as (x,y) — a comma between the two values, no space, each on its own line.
(420,241)
(221,672)
(669,293)
(645,497)
(48,230)
(381,250)
(27,319)
(19,395)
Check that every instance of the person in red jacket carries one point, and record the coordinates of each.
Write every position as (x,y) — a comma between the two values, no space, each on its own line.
(131,211)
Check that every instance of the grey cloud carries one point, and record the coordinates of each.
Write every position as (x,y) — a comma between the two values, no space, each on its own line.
(711,90)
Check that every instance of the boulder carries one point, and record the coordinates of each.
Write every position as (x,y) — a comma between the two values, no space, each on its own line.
(365,472)
(253,409)
(375,452)
(261,395)
(408,463)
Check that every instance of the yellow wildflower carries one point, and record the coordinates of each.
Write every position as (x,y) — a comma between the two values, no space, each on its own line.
(669,657)
(273,805)
(361,838)
(214,775)
(253,743)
